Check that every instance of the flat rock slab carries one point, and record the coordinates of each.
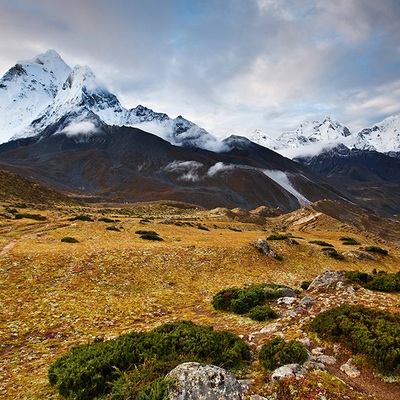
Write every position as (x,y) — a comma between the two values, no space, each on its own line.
(195,381)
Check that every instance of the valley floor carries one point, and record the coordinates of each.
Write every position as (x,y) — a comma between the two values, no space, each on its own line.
(55,295)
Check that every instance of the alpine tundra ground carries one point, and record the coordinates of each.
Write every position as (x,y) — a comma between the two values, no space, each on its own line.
(56,294)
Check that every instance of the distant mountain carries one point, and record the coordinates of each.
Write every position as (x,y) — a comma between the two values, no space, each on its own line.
(313,138)
(128,165)
(44,91)
(372,178)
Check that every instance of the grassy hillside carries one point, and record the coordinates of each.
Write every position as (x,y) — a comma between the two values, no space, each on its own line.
(56,295)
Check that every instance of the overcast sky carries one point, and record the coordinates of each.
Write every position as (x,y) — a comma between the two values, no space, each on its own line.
(230,66)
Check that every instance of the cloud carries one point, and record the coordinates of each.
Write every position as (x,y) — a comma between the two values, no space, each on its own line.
(79,128)
(218,168)
(188,169)
(228,66)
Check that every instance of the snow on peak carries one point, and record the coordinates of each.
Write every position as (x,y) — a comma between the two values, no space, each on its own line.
(27,89)
(308,138)
(383,137)
(37,93)
(263,139)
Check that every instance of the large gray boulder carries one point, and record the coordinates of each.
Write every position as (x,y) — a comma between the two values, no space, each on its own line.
(325,280)
(195,381)
(264,247)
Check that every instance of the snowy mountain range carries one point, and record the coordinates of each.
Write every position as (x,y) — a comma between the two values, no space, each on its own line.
(312,138)
(68,132)
(44,91)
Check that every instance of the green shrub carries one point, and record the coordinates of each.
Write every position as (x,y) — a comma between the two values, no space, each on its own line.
(84,218)
(149,235)
(262,313)
(141,232)
(358,277)
(108,220)
(248,298)
(330,252)
(142,358)
(36,217)
(277,352)
(348,241)
(376,249)
(372,333)
(321,243)
(69,239)
(305,284)
(277,237)
(382,281)
(241,301)
(113,228)
(223,299)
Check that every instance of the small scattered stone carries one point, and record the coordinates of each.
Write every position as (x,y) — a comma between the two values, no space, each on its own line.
(305,341)
(287,292)
(264,247)
(287,371)
(269,328)
(306,302)
(245,384)
(286,300)
(317,351)
(328,360)
(350,369)
(314,365)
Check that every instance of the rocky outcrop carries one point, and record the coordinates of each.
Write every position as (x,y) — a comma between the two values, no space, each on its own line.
(195,381)
(325,280)
(264,248)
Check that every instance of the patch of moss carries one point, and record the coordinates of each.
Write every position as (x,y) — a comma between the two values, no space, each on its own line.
(321,243)
(376,249)
(84,218)
(36,217)
(113,228)
(69,239)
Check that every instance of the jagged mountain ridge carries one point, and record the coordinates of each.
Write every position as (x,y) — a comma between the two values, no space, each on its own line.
(39,93)
(312,138)
(128,165)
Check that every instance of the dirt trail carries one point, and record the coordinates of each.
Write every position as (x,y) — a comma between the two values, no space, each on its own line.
(32,231)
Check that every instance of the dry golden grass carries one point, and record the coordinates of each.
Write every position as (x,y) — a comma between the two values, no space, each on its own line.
(57,295)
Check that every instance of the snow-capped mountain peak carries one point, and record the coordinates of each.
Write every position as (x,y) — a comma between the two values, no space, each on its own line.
(312,138)
(383,137)
(45,91)
(28,88)
(263,139)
